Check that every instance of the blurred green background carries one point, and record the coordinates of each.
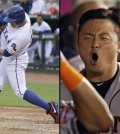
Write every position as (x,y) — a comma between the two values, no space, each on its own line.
(48,92)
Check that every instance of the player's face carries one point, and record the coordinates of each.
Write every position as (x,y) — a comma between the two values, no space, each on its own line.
(14,25)
(82,9)
(98,45)
(39,20)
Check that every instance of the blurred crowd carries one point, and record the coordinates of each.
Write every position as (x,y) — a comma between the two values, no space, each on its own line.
(33,6)
(39,8)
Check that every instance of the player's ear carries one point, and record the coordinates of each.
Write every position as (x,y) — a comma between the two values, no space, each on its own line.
(118,51)
(118,46)
(118,58)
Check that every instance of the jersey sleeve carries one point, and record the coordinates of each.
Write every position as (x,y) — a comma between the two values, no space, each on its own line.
(14,46)
(46,27)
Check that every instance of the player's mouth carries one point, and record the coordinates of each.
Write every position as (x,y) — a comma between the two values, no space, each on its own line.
(94,58)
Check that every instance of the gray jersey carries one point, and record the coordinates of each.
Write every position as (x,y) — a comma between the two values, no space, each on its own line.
(113,100)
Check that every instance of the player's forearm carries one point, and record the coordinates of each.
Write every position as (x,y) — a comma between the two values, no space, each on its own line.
(91,109)
(66,73)
(5,53)
(1,51)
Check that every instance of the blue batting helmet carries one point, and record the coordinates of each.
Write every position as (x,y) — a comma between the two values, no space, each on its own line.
(15,14)
(2,22)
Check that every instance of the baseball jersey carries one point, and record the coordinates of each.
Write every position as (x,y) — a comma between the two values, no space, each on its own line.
(111,96)
(16,40)
(113,100)
(41,28)
(110,91)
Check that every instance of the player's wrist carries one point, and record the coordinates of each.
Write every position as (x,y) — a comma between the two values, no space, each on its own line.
(69,75)
(1,52)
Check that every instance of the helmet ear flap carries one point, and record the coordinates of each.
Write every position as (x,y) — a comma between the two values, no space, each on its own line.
(2,22)
(20,18)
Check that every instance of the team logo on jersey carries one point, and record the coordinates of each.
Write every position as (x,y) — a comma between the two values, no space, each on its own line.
(14,46)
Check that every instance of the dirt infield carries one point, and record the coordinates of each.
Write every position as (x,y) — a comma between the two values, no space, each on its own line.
(26,121)
(14,120)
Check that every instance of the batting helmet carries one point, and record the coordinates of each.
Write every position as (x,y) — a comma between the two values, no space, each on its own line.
(15,14)
(2,22)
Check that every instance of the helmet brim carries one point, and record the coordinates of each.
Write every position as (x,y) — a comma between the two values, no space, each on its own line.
(9,20)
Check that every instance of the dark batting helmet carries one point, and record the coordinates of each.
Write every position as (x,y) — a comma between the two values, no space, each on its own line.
(2,22)
(15,14)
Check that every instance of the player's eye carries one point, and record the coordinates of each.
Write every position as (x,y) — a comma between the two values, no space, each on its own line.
(87,37)
(104,37)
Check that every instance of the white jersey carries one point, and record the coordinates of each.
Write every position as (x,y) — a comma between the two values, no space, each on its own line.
(43,27)
(16,40)
(12,68)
